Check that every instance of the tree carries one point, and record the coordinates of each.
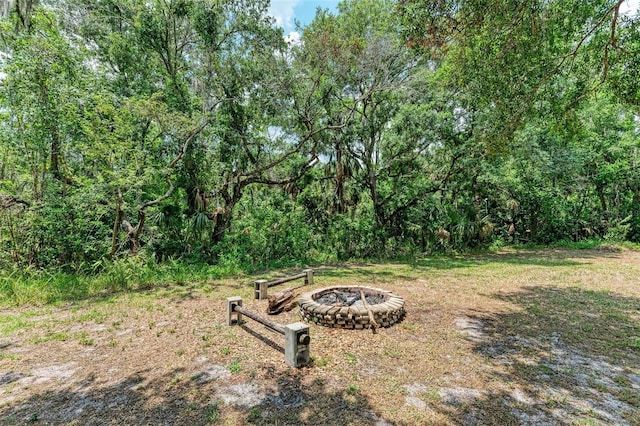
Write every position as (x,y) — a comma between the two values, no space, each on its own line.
(226,100)
(397,145)
(45,94)
(189,128)
(364,73)
(509,56)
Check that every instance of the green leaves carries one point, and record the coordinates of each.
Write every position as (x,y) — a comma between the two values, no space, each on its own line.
(507,56)
(207,22)
(190,128)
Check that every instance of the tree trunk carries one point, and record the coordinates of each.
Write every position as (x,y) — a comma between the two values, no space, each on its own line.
(116,226)
(133,232)
(4,163)
(24,9)
(340,179)
(221,218)
(54,163)
(603,199)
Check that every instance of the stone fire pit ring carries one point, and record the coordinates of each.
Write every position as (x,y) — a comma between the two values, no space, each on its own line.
(342,307)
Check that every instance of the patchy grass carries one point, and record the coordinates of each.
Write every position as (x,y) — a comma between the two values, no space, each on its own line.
(34,287)
(512,337)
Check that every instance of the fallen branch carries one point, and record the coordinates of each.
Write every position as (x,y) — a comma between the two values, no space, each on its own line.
(372,320)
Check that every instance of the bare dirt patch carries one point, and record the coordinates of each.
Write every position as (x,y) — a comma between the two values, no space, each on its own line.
(536,337)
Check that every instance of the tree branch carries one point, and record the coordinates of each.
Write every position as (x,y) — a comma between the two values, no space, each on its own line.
(8,201)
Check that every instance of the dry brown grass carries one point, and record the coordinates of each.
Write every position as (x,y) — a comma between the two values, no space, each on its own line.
(531,337)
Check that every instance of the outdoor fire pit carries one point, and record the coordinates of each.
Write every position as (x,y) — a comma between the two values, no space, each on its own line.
(351,307)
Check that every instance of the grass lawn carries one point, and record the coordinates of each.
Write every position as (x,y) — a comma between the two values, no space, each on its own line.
(516,337)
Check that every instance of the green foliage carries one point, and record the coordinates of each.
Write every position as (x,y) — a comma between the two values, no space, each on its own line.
(270,231)
(138,138)
(508,59)
(235,366)
(255,414)
(37,286)
(212,412)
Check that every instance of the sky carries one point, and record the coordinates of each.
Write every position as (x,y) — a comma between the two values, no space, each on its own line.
(286,11)
(631,7)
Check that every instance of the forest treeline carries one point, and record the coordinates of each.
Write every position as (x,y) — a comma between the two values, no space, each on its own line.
(191,130)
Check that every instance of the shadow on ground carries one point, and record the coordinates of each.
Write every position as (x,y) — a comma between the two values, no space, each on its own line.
(176,399)
(569,356)
(405,269)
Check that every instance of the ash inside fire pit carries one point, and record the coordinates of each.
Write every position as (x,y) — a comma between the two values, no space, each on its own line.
(343,307)
(348,298)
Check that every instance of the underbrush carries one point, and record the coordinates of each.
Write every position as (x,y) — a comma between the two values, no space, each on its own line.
(590,244)
(38,287)
(19,287)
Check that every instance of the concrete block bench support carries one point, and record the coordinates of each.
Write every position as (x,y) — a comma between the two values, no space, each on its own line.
(296,335)
(261,286)
(296,344)
(234,317)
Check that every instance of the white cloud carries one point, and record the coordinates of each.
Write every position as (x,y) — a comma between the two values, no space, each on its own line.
(293,38)
(630,7)
(282,11)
